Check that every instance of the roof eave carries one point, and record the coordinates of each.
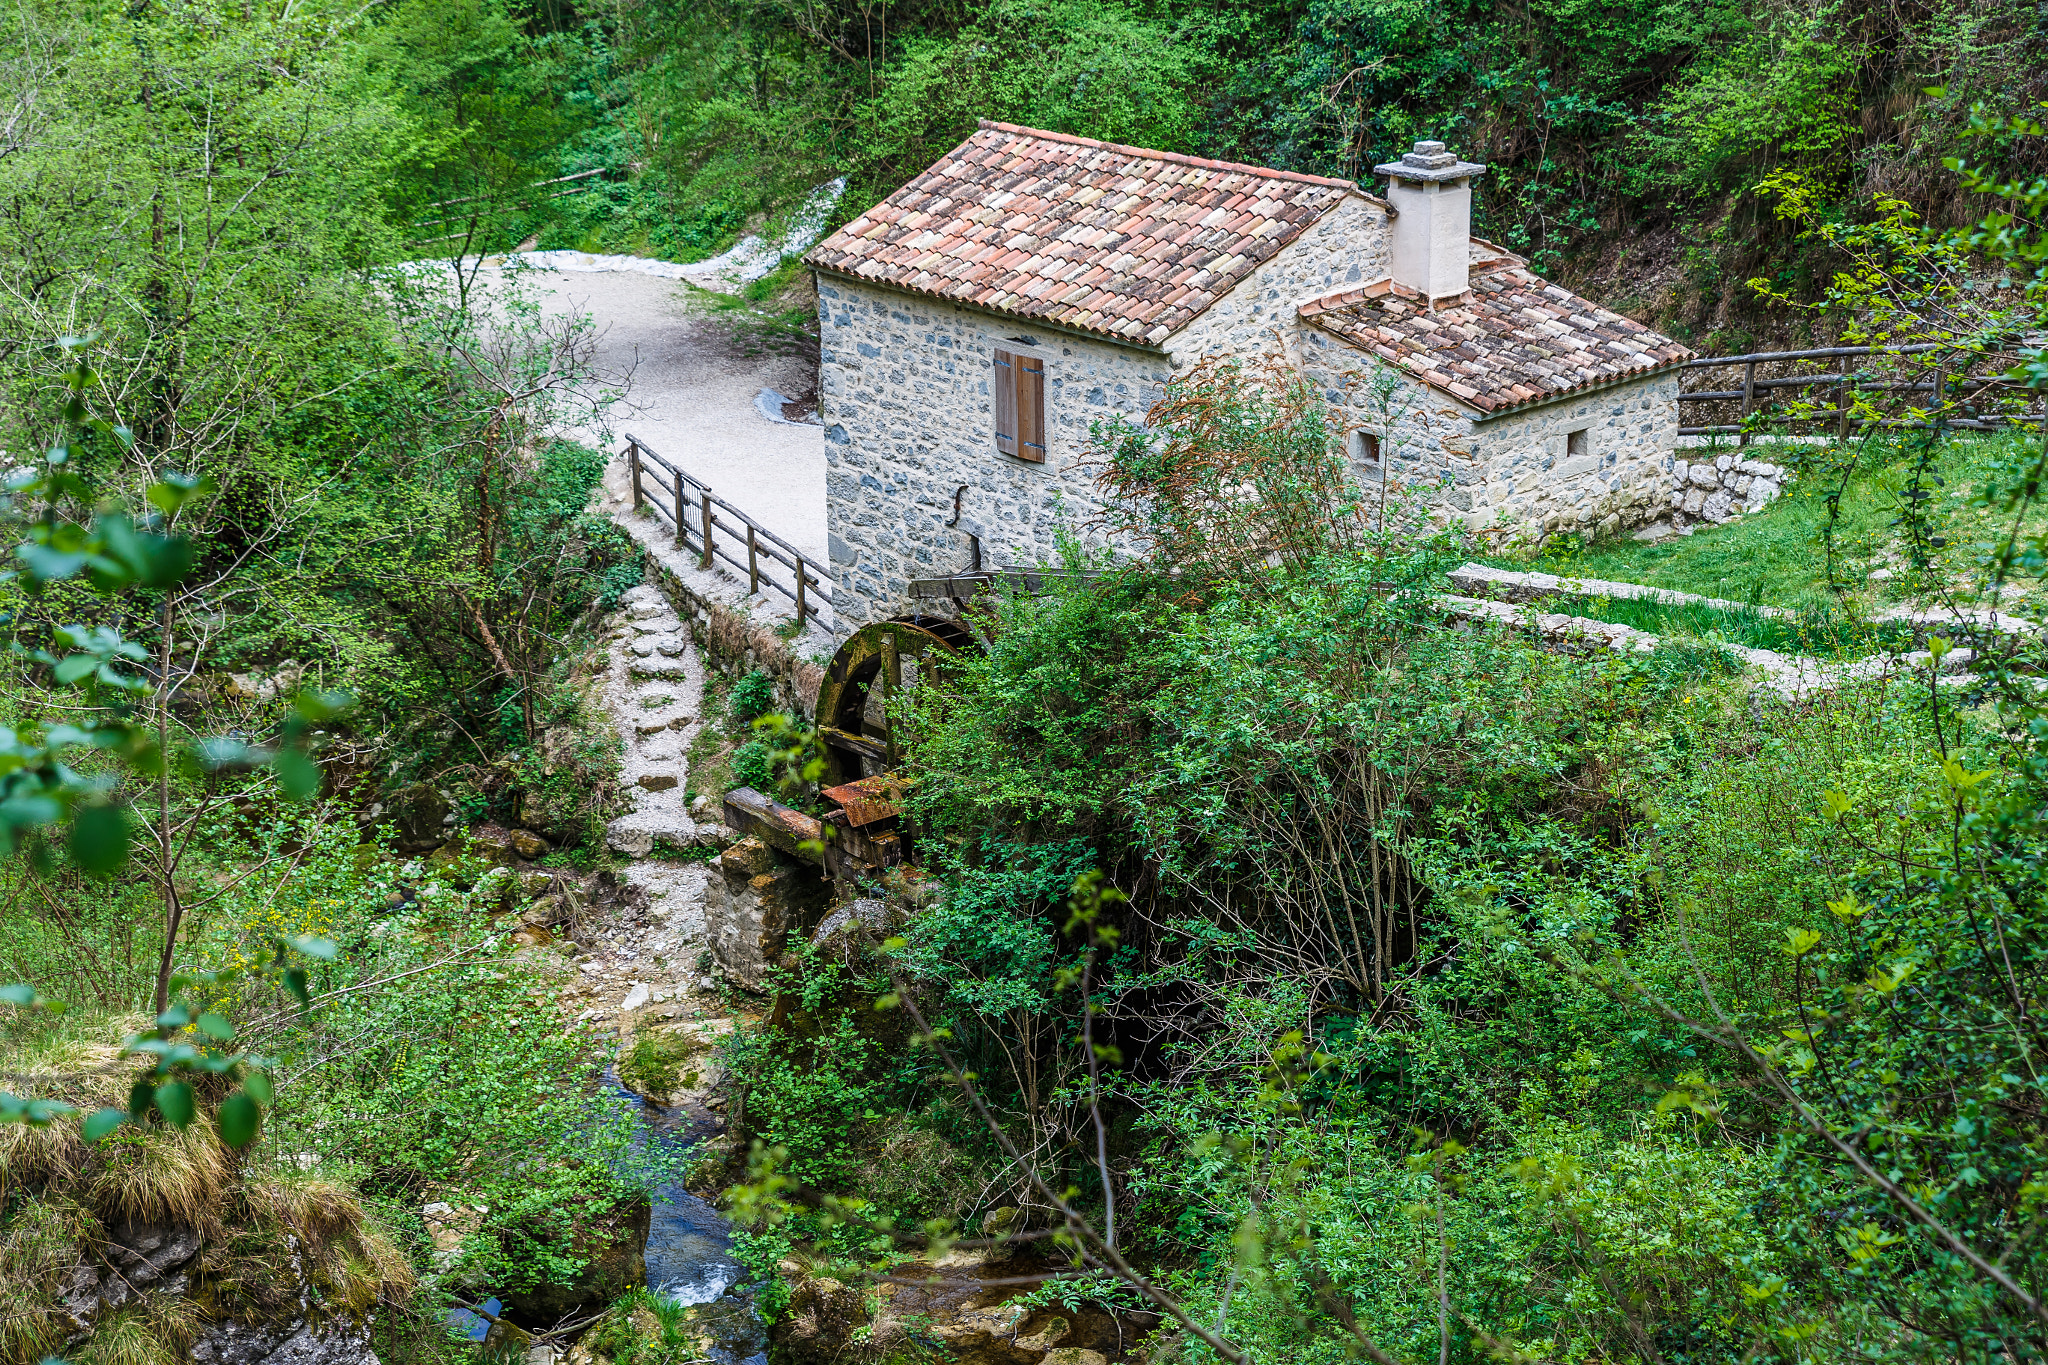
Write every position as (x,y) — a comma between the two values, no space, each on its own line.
(1157,348)
(1578,391)
(1477,413)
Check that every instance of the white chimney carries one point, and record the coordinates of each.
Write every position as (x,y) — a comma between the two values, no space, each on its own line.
(1431,192)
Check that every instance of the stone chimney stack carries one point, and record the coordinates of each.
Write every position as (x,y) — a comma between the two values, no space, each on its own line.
(1431,191)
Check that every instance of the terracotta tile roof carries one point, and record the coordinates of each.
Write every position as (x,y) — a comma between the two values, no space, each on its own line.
(1090,235)
(1513,340)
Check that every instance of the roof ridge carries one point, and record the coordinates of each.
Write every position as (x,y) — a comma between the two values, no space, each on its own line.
(1179,158)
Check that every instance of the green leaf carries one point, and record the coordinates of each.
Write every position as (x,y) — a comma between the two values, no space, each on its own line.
(99,837)
(43,1112)
(45,564)
(257,1083)
(315,947)
(176,1103)
(238,1119)
(102,1122)
(74,667)
(18,994)
(216,1026)
(297,774)
(295,982)
(140,1096)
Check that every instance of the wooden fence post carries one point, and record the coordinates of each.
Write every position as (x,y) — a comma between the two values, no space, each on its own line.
(1934,408)
(1842,405)
(705,495)
(633,456)
(753,563)
(799,591)
(1748,400)
(682,541)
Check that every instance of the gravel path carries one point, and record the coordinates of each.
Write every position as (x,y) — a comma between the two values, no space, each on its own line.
(692,396)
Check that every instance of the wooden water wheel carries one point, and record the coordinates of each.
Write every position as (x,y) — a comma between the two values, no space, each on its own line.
(861,753)
(862,829)
(877,662)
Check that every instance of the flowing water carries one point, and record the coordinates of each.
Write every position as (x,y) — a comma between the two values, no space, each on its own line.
(689,1256)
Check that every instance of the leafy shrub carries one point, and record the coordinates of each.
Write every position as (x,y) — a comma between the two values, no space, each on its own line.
(812,1088)
(751,697)
(753,766)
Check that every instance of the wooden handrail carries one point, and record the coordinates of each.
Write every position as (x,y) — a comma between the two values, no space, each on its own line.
(702,538)
(1753,396)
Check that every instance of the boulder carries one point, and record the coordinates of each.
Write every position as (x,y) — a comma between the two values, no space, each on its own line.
(493,842)
(558,746)
(843,935)
(527,844)
(420,814)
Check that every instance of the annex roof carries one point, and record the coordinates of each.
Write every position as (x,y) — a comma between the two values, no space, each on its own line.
(1513,341)
(1128,243)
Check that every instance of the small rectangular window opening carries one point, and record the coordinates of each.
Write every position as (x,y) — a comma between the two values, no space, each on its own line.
(1576,444)
(1368,448)
(1020,405)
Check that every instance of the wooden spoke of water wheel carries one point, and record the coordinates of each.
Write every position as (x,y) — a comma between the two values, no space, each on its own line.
(866,673)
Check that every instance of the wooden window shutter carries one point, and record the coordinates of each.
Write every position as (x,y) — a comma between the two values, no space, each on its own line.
(1030,371)
(1005,375)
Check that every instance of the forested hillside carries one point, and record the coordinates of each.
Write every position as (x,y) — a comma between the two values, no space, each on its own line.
(1627,141)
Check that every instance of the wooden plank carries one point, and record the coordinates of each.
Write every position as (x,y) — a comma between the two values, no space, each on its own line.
(1031,409)
(1003,378)
(766,819)
(857,744)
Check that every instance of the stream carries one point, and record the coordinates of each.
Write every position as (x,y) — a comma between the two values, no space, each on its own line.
(689,1257)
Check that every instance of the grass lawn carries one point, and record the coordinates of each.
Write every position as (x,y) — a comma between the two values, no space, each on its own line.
(1823,635)
(1775,556)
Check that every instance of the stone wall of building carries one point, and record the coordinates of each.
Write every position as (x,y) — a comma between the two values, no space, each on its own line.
(904,395)
(1346,248)
(1620,480)
(1512,473)
(1424,438)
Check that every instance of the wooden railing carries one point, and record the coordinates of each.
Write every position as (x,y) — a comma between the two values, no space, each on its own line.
(694,511)
(1965,389)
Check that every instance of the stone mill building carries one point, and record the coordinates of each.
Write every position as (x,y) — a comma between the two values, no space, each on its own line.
(976,322)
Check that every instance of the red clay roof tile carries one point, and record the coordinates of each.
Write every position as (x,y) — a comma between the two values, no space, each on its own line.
(1012,214)
(1517,339)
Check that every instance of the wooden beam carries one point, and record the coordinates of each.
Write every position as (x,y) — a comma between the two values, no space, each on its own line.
(774,824)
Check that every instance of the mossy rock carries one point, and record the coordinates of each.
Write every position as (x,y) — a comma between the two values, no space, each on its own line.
(656,1064)
(613,1247)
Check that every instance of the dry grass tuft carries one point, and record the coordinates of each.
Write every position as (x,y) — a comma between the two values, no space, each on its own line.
(33,1157)
(161,1175)
(156,1334)
(39,1244)
(316,1211)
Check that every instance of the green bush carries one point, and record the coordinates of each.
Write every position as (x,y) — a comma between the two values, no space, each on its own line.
(751,697)
(753,766)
